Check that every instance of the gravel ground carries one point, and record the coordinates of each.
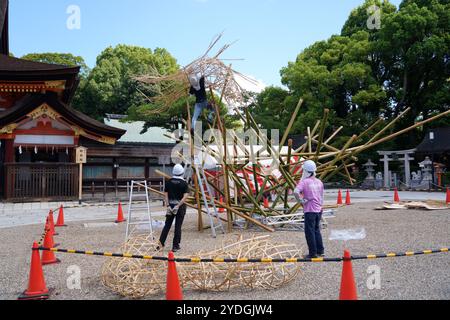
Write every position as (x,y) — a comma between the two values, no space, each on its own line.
(420,277)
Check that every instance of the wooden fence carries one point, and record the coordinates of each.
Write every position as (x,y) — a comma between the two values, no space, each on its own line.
(32,181)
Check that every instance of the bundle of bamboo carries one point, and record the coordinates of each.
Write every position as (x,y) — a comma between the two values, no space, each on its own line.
(173,87)
(223,277)
(245,176)
(135,278)
(245,181)
(138,278)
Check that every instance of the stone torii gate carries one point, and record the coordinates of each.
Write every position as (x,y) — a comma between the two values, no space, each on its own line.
(406,158)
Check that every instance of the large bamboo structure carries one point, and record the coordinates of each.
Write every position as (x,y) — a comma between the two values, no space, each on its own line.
(248,171)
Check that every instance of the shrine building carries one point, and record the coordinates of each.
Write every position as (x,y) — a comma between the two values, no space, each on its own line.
(40,131)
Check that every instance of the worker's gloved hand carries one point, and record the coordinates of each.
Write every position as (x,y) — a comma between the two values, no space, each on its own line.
(300,199)
(169,212)
(173,208)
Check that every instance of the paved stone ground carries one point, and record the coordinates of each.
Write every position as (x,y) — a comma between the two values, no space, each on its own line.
(419,277)
(22,214)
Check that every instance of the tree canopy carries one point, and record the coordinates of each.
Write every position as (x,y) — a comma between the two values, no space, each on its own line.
(366,73)
(110,87)
(66,59)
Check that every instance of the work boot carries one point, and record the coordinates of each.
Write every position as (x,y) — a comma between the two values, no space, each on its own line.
(159,246)
(176,249)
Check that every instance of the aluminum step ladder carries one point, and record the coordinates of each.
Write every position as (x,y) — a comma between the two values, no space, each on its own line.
(138,190)
(214,218)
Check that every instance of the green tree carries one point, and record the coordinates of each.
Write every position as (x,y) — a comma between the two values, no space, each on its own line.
(363,74)
(70,60)
(110,87)
(270,109)
(413,47)
(66,59)
(336,74)
(358,19)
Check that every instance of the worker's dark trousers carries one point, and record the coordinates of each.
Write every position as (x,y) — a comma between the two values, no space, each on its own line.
(179,218)
(313,235)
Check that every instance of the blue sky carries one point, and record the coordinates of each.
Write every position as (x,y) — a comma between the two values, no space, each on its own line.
(270,33)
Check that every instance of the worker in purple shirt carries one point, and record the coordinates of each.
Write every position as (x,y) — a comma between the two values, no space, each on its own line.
(310,192)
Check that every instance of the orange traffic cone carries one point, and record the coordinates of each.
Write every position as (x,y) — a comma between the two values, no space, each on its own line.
(348,284)
(221,209)
(47,225)
(396,196)
(48,257)
(51,233)
(266,203)
(448,196)
(120,217)
(60,222)
(339,199)
(348,201)
(37,290)
(51,223)
(173,291)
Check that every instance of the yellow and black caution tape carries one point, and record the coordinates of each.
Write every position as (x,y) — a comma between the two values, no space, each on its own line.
(42,237)
(244,260)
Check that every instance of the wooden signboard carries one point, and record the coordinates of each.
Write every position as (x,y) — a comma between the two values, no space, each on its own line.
(80,158)
(81,155)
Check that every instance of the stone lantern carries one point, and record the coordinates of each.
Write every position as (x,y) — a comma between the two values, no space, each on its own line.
(426,166)
(369,181)
(369,169)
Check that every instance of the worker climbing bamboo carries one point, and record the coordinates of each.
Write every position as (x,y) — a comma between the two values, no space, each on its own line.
(309,192)
(199,90)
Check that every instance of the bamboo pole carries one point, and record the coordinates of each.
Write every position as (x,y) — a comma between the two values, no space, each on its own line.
(344,149)
(313,132)
(250,197)
(286,193)
(333,135)
(375,137)
(160,193)
(224,161)
(281,163)
(396,134)
(359,149)
(321,134)
(218,204)
(291,122)
(309,140)
(368,130)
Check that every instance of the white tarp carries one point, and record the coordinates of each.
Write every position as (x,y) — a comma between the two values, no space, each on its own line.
(44,140)
(349,234)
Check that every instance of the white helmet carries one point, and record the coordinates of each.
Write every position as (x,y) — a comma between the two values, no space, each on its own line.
(178,170)
(195,81)
(310,166)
